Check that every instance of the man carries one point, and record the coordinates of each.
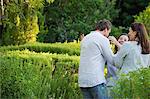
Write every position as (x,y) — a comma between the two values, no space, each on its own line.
(95,51)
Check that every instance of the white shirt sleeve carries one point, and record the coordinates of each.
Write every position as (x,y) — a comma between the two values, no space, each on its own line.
(121,54)
(107,52)
(149,62)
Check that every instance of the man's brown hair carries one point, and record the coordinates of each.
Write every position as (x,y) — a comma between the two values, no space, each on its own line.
(103,24)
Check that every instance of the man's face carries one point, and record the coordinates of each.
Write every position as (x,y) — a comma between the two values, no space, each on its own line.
(107,32)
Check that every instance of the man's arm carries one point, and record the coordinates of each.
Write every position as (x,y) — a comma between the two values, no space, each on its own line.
(107,52)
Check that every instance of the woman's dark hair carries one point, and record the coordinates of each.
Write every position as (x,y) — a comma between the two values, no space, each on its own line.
(142,36)
(103,24)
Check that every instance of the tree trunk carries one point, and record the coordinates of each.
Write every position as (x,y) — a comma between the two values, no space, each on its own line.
(1,16)
(2,10)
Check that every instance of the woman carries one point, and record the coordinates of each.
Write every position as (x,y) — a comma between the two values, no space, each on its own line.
(135,53)
(112,70)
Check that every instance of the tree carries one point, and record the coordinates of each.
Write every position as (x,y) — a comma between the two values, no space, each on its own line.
(128,9)
(21,22)
(66,19)
(1,16)
(144,17)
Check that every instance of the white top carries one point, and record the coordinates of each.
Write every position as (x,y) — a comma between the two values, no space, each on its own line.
(146,60)
(129,57)
(112,76)
(95,50)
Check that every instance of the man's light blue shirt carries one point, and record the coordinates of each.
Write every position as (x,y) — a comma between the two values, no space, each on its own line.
(95,51)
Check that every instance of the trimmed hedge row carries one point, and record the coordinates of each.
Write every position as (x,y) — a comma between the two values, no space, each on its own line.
(59,48)
(30,75)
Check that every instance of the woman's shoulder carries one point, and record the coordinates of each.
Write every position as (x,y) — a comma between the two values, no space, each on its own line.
(130,43)
(127,44)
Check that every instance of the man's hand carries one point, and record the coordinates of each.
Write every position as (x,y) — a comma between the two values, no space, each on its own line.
(113,39)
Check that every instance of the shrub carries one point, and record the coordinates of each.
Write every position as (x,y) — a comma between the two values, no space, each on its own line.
(135,85)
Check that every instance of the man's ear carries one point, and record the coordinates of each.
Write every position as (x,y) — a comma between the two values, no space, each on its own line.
(105,31)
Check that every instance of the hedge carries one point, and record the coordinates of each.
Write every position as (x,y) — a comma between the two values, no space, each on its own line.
(59,48)
(30,75)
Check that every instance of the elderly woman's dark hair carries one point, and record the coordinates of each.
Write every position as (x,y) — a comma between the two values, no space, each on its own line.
(142,36)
